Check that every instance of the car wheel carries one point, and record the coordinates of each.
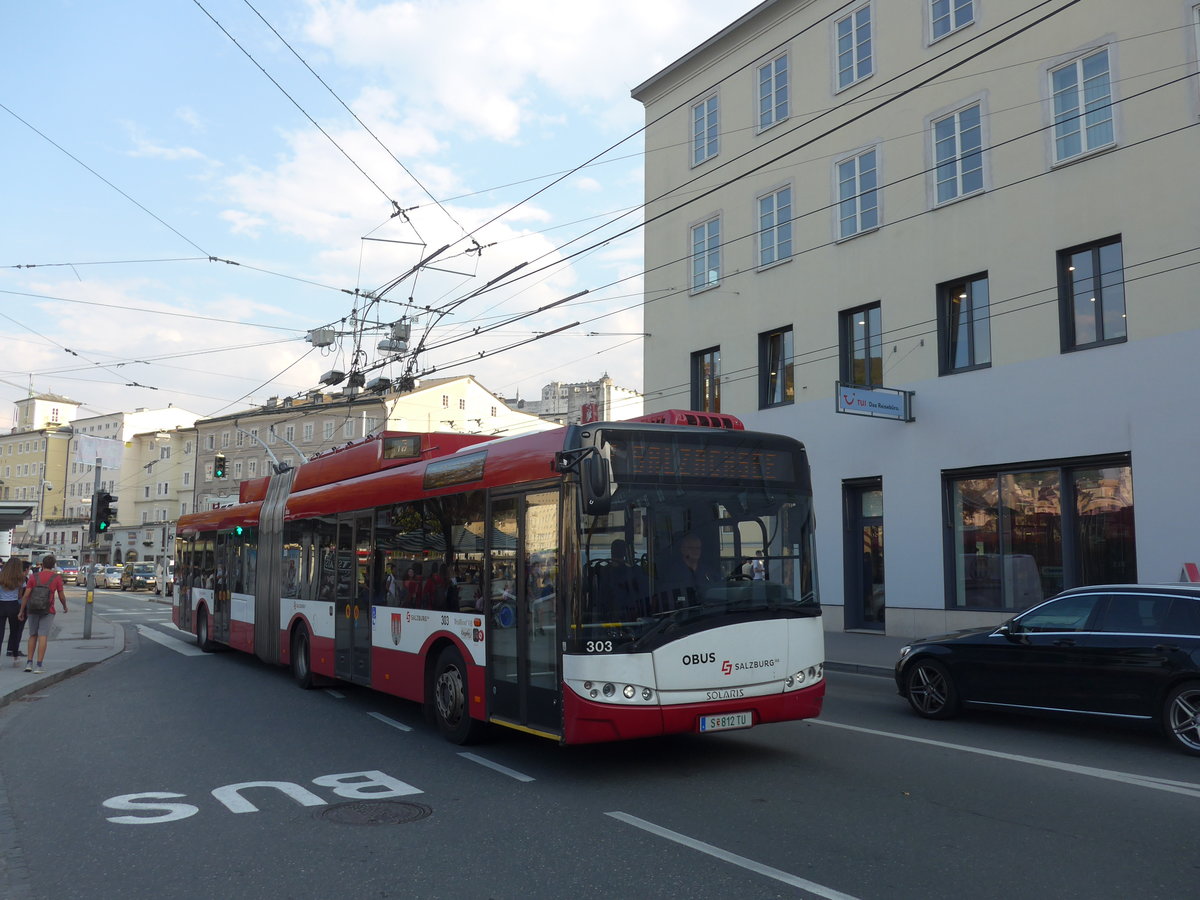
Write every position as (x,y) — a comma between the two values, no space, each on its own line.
(930,690)
(202,639)
(1181,717)
(450,699)
(301,659)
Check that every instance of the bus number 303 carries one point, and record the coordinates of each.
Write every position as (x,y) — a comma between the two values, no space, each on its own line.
(599,646)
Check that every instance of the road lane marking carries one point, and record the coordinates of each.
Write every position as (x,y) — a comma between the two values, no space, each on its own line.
(496,767)
(804,884)
(1159,784)
(336,695)
(170,642)
(399,726)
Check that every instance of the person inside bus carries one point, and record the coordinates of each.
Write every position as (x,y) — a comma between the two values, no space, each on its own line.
(623,584)
(688,576)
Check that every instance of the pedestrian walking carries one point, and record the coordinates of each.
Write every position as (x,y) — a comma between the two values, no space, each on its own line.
(37,609)
(12,576)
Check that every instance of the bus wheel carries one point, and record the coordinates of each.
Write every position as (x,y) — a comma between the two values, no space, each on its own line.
(202,639)
(450,699)
(301,660)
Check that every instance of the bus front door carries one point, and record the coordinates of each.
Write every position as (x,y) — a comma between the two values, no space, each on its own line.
(523,669)
(352,606)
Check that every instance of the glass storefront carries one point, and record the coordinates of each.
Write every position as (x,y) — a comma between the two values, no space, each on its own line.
(1020,536)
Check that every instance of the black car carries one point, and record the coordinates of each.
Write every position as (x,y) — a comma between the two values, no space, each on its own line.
(1127,651)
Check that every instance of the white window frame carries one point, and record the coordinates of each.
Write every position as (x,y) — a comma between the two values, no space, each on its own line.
(775,238)
(958,156)
(348,428)
(705,235)
(856,158)
(328,429)
(224,440)
(772,95)
(959,14)
(1078,115)
(704,129)
(856,42)
(308,432)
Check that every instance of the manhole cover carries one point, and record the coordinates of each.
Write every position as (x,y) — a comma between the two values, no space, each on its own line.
(376,812)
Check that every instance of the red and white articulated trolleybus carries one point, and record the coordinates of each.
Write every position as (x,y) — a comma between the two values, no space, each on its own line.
(590,583)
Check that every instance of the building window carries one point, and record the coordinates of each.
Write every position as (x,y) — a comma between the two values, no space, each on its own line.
(183,509)
(308,432)
(252,468)
(777,386)
(1092,295)
(704,130)
(775,227)
(493,412)
(854,60)
(1082,93)
(164,452)
(445,401)
(289,433)
(224,440)
(946,16)
(348,428)
(964,325)
(1019,536)
(210,442)
(706,254)
(861,349)
(328,429)
(241,438)
(773,92)
(462,403)
(371,424)
(958,154)
(706,380)
(858,200)
(164,488)
(271,435)
(187,478)
(237,471)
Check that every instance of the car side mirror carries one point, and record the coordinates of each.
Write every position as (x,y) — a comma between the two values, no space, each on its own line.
(1012,630)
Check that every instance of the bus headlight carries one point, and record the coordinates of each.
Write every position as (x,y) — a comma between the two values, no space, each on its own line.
(629,692)
(808,675)
(609,689)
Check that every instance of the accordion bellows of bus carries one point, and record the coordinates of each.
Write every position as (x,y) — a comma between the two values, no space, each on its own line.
(597,582)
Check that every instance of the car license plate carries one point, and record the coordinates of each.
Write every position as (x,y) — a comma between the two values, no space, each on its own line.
(726,721)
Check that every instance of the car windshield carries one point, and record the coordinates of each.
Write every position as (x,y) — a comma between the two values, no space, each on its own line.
(143,570)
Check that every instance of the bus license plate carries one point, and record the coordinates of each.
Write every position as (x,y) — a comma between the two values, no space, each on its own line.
(726,722)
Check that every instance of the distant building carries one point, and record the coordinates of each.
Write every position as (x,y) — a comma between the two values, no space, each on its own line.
(287,432)
(583,401)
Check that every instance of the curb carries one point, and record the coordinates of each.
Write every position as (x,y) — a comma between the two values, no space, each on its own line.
(45,681)
(860,669)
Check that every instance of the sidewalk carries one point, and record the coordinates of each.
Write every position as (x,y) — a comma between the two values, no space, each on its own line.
(863,652)
(67,653)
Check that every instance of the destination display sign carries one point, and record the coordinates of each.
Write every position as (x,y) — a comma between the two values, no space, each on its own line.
(644,458)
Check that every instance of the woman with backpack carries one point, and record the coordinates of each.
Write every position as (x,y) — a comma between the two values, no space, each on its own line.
(37,609)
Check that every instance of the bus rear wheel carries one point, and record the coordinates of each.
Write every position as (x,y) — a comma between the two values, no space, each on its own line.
(451,708)
(301,659)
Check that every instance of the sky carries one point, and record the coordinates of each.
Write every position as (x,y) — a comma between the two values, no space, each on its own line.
(192,186)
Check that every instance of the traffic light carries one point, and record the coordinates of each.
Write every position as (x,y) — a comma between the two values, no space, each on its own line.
(106,513)
(219,466)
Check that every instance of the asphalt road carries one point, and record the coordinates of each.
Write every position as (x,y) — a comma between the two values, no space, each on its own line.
(122,783)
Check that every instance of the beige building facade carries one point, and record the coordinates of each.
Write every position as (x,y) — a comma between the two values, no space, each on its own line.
(951,245)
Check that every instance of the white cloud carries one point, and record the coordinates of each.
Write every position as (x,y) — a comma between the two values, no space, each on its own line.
(591,185)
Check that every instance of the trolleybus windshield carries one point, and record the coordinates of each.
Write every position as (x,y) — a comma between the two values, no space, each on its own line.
(675,552)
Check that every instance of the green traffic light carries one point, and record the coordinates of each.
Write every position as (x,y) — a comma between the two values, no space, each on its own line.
(103,526)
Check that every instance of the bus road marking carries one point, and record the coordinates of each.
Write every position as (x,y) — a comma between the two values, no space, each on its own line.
(169,642)
(778,874)
(496,767)
(336,695)
(1185,788)
(399,726)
